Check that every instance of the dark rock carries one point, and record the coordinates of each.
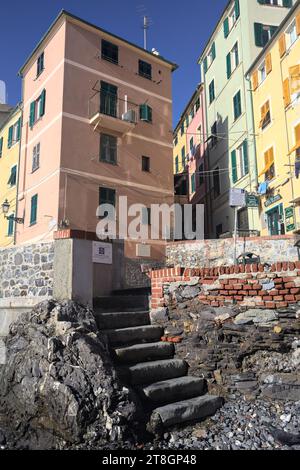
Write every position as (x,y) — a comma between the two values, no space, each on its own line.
(58,383)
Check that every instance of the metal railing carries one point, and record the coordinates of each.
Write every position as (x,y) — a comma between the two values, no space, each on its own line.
(110,104)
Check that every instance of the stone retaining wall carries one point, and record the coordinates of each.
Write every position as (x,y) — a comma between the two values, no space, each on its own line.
(26,271)
(255,285)
(217,252)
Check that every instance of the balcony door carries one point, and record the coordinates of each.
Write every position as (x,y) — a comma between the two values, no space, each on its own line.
(108,99)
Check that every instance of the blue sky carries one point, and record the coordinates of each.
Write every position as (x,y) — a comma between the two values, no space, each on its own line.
(179,30)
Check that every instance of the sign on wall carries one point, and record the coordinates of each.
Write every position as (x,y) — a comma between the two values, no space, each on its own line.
(290,219)
(237,197)
(102,253)
(252,200)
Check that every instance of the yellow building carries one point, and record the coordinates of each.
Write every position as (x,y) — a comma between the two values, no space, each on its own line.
(275,77)
(9,158)
(179,144)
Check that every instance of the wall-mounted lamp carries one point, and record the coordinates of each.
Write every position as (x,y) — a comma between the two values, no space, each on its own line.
(5,209)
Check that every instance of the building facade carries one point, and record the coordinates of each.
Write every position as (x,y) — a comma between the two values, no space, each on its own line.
(275,77)
(241,33)
(97,125)
(10,134)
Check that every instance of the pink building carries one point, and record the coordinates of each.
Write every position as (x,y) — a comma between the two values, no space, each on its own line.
(97,125)
(196,137)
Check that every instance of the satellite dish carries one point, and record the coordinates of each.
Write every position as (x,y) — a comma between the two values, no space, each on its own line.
(155,52)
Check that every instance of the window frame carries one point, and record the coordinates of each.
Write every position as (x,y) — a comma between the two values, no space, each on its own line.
(144,74)
(108,147)
(36,150)
(236,117)
(145,164)
(107,57)
(40,64)
(33,221)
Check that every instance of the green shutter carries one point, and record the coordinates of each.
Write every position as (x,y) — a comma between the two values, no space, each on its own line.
(237,9)
(33,211)
(43,103)
(213,51)
(10,230)
(237,105)
(1,146)
(193,183)
(32,114)
(245,155)
(228,64)
(258,30)
(287,3)
(10,137)
(145,113)
(205,66)
(18,129)
(234,167)
(226,27)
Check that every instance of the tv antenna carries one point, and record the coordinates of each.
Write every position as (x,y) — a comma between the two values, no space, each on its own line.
(146,25)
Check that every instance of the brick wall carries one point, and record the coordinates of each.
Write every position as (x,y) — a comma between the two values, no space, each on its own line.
(254,285)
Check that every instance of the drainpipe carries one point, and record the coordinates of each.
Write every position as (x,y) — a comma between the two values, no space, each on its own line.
(253,133)
(19,162)
(206,156)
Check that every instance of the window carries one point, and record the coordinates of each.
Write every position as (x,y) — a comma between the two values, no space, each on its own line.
(37,109)
(232,60)
(10,228)
(109,52)
(108,99)
(182,129)
(176,165)
(145,164)
(211,55)
(232,18)
(183,156)
(1,146)
(107,196)
(291,35)
(12,181)
(108,148)
(265,115)
(145,69)
(193,183)
(211,91)
(269,170)
(216,182)
(239,162)
(262,72)
(237,105)
(277,3)
(191,143)
(146,215)
(145,113)
(14,134)
(192,113)
(263,34)
(201,174)
(214,137)
(219,230)
(40,65)
(176,141)
(33,209)
(187,121)
(36,157)
(197,104)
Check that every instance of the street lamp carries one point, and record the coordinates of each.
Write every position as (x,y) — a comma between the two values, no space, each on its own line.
(5,209)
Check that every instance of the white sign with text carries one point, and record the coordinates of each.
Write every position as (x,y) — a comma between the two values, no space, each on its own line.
(102,253)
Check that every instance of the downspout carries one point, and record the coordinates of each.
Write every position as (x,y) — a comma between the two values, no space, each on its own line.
(206,153)
(19,163)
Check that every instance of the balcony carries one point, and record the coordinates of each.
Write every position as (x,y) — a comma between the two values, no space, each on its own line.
(108,113)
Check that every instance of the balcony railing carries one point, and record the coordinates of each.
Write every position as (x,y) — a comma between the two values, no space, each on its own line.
(108,112)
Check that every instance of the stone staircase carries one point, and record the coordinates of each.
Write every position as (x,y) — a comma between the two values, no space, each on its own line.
(143,362)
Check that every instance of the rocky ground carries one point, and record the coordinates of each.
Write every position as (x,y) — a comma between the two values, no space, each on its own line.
(59,385)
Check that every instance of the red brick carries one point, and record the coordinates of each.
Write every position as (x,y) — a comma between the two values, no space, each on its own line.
(292,266)
(290,298)
(253,292)
(285,266)
(274,292)
(243,292)
(284,292)
(281,304)
(232,292)
(256,286)
(278,280)
(238,286)
(270,304)
(297,264)
(267,298)
(289,285)
(247,287)
(239,297)
(295,291)
(278,298)
(289,279)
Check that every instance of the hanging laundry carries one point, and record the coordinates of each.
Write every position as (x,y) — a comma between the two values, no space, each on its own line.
(263,187)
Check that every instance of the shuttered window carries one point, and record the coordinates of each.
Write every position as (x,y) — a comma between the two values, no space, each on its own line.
(40,64)
(145,113)
(12,181)
(1,146)
(286,93)
(234,172)
(33,209)
(10,228)
(37,109)
(237,105)
(145,69)
(212,91)
(109,52)
(108,148)
(265,115)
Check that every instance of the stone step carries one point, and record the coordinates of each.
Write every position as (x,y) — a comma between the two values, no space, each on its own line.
(194,409)
(173,390)
(144,352)
(155,371)
(117,303)
(138,334)
(110,320)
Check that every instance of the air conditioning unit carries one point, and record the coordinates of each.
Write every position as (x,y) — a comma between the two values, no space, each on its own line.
(130,116)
